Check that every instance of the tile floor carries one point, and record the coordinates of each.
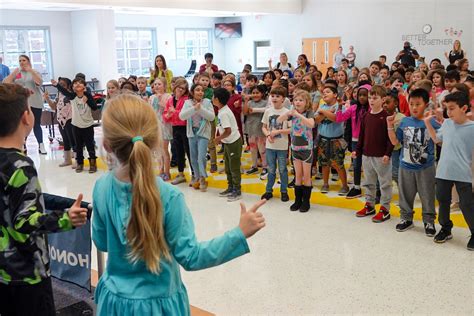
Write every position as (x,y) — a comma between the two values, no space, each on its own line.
(326,261)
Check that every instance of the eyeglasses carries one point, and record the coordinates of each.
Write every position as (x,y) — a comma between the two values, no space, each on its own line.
(181,88)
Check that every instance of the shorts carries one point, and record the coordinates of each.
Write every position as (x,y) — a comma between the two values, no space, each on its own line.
(303,155)
(331,151)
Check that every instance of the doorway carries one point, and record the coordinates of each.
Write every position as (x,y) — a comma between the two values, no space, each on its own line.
(320,51)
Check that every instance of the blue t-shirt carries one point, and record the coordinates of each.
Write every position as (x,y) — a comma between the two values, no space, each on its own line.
(328,128)
(456,151)
(417,147)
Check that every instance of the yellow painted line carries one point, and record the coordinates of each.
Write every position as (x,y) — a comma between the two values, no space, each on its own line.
(316,196)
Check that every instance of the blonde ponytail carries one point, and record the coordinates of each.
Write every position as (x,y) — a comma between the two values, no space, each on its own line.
(128,117)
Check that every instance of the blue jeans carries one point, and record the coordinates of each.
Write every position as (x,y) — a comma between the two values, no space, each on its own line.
(198,151)
(395,164)
(274,156)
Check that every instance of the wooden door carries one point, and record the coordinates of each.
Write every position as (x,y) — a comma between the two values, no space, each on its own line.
(320,51)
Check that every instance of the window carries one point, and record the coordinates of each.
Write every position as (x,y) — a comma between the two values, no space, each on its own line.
(136,49)
(193,43)
(32,42)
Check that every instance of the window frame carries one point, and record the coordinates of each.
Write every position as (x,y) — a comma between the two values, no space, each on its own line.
(124,49)
(47,42)
(210,43)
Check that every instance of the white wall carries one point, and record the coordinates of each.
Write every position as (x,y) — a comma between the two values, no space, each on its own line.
(94,44)
(373,27)
(165,32)
(59,24)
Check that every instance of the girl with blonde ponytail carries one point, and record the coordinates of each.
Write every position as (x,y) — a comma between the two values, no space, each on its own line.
(144,224)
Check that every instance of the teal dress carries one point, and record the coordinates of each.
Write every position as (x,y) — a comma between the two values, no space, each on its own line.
(127,289)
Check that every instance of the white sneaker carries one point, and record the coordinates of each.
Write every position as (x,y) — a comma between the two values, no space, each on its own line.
(179,179)
(41,149)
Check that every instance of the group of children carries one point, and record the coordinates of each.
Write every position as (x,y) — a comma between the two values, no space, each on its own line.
(376,113)
(310,124)
(418,133)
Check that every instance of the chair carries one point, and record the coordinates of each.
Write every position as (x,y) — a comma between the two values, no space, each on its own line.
(192,69)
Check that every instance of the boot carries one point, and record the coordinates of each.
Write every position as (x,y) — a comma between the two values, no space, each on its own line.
(67,159)
(93,165)
(79,168)
(298,198)
(306,196)
(41,149)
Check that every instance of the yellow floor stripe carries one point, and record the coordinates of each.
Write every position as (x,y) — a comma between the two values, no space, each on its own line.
(316,197)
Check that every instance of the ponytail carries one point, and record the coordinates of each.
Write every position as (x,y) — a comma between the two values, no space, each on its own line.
(125,117)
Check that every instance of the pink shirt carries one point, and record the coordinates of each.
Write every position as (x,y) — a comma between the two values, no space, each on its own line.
(174,119)
(342,116)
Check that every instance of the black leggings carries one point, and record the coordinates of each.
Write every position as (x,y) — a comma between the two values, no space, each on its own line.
(68,137)
(84,137)
(37,127)
(181,142)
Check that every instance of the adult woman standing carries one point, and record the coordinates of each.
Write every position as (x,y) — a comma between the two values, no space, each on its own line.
(161,71)
(283,64)
(29,78)
(456,53)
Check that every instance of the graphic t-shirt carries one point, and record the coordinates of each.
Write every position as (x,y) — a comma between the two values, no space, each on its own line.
(301,135)
(417,147)
(280,142)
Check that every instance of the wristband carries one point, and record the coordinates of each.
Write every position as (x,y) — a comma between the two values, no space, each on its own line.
(390,129)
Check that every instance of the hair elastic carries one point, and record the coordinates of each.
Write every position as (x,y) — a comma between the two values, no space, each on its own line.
(136,139)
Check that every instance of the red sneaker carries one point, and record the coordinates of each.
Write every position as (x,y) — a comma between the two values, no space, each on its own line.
(381,216)
(366,211)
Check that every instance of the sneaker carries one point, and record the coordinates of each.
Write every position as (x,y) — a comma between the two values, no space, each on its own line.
(404,225)
(443,236)
(179,179)
(430,229)
(318,176)
(225,193)
(247,149)
(196,184)
(203,185)
(213,168)
(325,188)
(252,171)
(267,196)
(470,244)
(264,174)
(234,196)
(284,197)
(192,182)
(381,216)
(335,177)
(343,191)
(366,211)
(354,193)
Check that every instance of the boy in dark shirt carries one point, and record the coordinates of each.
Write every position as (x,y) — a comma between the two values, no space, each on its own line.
(25,283)
(376,148)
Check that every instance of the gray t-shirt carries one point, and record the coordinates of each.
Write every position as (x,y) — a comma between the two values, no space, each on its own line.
(25,79)
(81,113)
(456,151)
(254,119)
